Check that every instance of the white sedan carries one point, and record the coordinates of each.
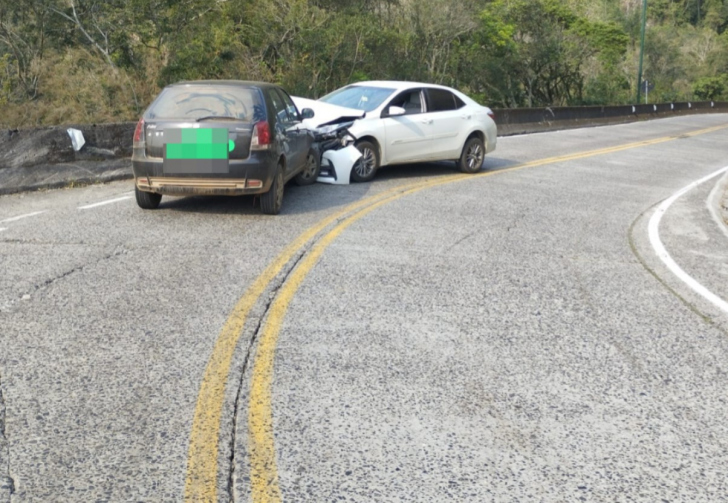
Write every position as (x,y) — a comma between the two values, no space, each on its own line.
(409,122)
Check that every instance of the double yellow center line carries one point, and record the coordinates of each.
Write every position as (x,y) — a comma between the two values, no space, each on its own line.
(202,460)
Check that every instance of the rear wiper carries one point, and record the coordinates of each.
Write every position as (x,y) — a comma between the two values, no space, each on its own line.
(221,117)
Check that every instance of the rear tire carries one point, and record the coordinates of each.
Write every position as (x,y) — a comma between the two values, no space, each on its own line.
(272,201)
(147,200)
(471,160)
(310,173)
(366,168)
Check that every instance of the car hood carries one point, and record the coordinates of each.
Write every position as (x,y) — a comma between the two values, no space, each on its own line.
(325,113)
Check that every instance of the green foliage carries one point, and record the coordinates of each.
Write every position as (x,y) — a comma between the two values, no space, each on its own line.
(609,40)
(553,54)
(94,60)
(711,88)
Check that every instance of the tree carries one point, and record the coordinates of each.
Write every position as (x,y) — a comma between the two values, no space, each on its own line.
(24,26)
(79,60)
(711,88)
(551,47)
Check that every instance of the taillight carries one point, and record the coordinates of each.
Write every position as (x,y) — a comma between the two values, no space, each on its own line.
(261,136)
(491,115)
(139,131)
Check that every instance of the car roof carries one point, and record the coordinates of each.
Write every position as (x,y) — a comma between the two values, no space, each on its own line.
(398,85)
(241,83)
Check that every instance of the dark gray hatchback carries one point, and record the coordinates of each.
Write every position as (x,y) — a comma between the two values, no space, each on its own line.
(222,138)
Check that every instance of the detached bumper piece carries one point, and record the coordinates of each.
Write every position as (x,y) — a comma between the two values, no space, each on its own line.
(336,165)
(327,173)
(197,186)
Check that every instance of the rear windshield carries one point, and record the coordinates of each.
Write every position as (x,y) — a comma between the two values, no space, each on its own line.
(197,101)
(364,98)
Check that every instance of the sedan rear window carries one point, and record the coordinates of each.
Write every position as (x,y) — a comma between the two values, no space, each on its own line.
(197,101)
(364,98)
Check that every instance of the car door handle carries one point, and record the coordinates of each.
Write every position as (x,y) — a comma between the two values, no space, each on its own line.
(466,117)
(426,121)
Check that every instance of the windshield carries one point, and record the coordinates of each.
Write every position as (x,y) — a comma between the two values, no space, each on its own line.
(358,97)
(197,101)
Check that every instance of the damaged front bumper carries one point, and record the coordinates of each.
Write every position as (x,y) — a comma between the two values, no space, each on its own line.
(332,139)
(336,165)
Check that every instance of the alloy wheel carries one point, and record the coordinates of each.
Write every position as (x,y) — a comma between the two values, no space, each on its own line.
(474,156)
(366,165)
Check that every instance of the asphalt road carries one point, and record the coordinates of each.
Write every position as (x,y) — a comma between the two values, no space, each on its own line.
(511,336)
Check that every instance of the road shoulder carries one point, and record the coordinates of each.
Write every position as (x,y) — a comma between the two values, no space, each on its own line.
(696,243)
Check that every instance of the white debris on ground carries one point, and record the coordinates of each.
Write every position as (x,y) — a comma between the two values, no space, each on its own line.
(77,139)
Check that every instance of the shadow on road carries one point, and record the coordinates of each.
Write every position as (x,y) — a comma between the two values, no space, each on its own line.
(320,196)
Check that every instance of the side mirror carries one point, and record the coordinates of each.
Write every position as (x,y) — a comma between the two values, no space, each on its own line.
(307,113)
(396,111)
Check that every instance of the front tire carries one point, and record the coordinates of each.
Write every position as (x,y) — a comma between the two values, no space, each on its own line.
(366,168)
(310,173)
(471,160)
(272,201)
(147,200)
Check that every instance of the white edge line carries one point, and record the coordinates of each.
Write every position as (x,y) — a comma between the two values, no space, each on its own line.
(20,217)
(654,234)
(102,203)
(713,202)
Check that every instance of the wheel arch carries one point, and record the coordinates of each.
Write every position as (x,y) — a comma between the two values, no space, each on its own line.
(373,140)
(477,134)
(283,162)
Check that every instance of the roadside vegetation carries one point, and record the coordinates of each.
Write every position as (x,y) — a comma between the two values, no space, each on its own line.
(85,61)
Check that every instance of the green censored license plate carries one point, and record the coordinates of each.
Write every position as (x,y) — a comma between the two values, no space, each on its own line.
(196,151)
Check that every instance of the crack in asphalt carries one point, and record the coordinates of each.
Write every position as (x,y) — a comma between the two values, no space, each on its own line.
(76,269)
(45,284)
(7,484)
(278,283)
(467,236)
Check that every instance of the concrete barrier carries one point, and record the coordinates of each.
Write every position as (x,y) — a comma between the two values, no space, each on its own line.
(534,120)
(42,158)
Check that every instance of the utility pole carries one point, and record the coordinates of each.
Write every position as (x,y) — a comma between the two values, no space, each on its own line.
(642,50)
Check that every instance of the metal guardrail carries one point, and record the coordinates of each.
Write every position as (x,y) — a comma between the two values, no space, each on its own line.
(513,121)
